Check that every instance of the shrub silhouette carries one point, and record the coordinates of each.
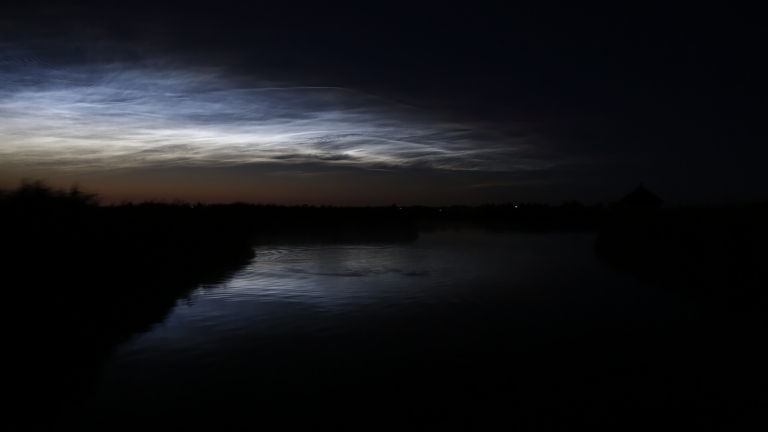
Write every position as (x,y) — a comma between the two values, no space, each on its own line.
(38,194)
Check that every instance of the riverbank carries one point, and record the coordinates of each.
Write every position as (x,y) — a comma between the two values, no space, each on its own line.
(715,252)
(90,277)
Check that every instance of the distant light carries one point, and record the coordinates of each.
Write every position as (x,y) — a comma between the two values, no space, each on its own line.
(401,208)
(515,206)
(441,209)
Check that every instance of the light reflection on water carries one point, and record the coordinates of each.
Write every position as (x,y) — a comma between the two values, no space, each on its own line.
(297,308)
(305,288)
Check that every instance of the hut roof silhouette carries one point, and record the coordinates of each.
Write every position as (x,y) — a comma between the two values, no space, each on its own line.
(641,197)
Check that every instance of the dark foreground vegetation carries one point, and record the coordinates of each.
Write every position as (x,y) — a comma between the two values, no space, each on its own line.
(82,278)
(79,279)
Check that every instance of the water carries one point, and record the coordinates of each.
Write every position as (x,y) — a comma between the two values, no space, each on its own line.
(459,326)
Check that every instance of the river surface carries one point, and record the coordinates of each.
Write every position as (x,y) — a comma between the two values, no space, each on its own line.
(514,329)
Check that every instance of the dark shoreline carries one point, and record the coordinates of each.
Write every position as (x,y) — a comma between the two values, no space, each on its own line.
(94,276)
(716,252)
(709,251)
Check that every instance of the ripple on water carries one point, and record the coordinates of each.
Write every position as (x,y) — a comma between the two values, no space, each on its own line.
(459,300)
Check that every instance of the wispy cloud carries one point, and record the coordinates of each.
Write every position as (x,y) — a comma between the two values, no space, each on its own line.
(93,115)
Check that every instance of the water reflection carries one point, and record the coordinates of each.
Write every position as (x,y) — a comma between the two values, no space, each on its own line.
(76,323)
(514,329)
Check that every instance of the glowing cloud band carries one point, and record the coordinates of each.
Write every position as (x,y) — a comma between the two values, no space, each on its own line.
(117,114)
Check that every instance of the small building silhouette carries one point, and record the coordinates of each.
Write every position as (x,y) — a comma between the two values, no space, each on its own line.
(641,198)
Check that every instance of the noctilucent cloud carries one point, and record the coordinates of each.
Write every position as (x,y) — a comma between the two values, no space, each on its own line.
(102,115)
(309,103)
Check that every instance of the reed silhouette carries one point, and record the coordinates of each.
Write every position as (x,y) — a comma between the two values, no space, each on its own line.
(84,278)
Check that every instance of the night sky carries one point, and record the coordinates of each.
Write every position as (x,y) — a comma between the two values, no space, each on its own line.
(374,103)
